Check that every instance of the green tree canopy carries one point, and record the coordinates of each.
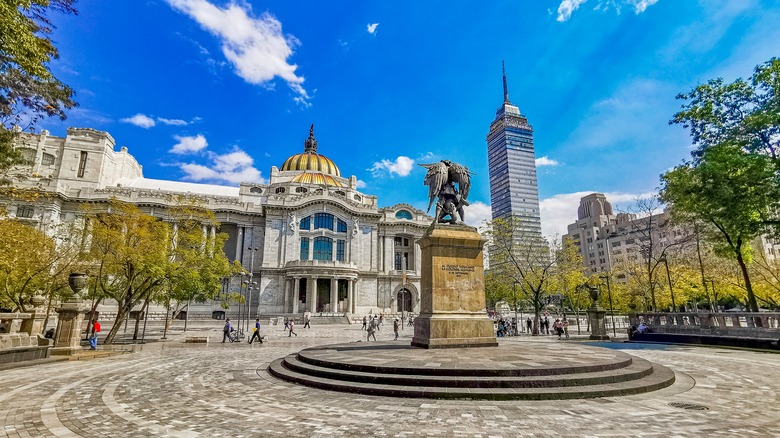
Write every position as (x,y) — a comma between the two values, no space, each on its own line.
(742,113)
(734,191)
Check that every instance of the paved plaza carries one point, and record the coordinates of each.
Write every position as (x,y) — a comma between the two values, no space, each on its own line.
(222,390)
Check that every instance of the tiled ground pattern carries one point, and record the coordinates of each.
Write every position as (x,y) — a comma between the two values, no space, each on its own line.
(222,390)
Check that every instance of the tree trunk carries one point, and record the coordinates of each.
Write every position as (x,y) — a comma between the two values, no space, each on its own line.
(120,316)
(751,298)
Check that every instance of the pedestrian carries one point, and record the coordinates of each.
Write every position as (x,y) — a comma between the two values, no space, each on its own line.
(375,322)
(365,323)
(256,334)
(546,325)
(558,327)
(292,329)
(381,319)
(286,324)
(566,328)
(371,331)
(528,325)
(395,328)
(307,321)
(226,330)
(94,338)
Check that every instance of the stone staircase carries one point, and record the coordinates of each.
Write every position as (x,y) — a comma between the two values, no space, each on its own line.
(503,373)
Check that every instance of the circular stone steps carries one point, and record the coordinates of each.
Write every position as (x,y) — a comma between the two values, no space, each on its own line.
(532,371)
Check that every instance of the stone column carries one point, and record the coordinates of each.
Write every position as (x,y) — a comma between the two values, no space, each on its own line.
(350,307)
(334,294)
(311,289)
(296,294)
(67,339)
(286,295)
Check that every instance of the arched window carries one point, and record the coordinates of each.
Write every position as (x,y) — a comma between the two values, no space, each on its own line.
(306,223)
(301,190)
(255,190)
(357,197)
(323,220)
(280,190)
(323,248)
(403,214)
(342,226)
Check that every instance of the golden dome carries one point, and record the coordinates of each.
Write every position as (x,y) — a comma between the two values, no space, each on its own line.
(317,178)
(310,160)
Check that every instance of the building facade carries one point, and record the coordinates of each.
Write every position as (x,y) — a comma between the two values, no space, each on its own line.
(309,240)
(512,164)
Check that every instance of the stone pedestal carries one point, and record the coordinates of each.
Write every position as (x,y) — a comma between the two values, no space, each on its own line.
(67,340)
(452,298)
(598,320)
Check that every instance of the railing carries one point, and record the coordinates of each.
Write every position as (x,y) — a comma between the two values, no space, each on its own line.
(20,330)
(765,325)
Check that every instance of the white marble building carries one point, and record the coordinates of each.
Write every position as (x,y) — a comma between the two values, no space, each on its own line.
(310,239)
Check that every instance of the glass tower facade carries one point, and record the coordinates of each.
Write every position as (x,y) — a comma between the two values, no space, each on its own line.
(512,167)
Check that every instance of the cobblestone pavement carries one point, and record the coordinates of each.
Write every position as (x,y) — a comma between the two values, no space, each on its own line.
(222,390)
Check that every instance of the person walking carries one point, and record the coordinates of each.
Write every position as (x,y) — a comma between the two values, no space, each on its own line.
(94,338)
(528,325)
(371,331)
(395,328)
(546,324)
(381,319)
(565,325)
(307,321)
(256,334)
(292,329)
(365,323)
(226,330)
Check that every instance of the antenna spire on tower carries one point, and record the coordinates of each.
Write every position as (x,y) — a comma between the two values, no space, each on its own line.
(506,92)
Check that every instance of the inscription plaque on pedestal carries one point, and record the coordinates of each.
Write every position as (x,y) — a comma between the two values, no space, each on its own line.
(452,297)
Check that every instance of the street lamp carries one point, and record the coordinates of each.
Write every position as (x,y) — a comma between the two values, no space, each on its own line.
(714,295)
(669,277)
(611,309)
(517,321)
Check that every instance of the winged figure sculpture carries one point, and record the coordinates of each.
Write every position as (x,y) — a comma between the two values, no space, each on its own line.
(448,184)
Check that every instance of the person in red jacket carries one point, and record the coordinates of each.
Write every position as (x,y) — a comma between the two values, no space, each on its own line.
(94,338)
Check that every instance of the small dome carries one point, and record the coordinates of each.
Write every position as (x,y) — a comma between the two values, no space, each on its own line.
(316,178)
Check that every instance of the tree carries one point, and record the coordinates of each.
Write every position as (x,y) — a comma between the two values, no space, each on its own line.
(28,89)
(32,263)
(569,274)
(522,257)
(197,261)
(743,113)
(129,252)
(730,189)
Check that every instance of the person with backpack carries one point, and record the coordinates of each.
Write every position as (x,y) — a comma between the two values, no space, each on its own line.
(94,338)
(256,334)
(226,330)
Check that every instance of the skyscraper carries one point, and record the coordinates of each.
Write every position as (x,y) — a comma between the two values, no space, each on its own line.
(512,166)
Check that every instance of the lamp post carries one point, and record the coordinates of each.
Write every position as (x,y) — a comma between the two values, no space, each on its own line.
(669,277)
(517,321)
(611,309)
(714,295)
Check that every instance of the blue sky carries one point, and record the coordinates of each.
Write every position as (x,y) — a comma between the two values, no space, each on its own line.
(219,91)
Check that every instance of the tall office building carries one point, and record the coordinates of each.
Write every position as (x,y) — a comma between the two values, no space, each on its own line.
(513,188)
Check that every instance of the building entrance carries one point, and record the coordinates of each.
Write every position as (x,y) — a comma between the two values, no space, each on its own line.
(404,300)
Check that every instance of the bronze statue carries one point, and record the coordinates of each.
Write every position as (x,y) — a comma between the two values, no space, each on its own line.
(441,180)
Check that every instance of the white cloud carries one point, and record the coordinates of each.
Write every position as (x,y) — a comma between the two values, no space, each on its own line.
(188,145)
(372,28)
(402,166)
(477,213)
(234,167)
(544,161)
(256,46)
(567,7)
(641,5)
(172,122)
(139,120)
(360,184)
(558,211)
